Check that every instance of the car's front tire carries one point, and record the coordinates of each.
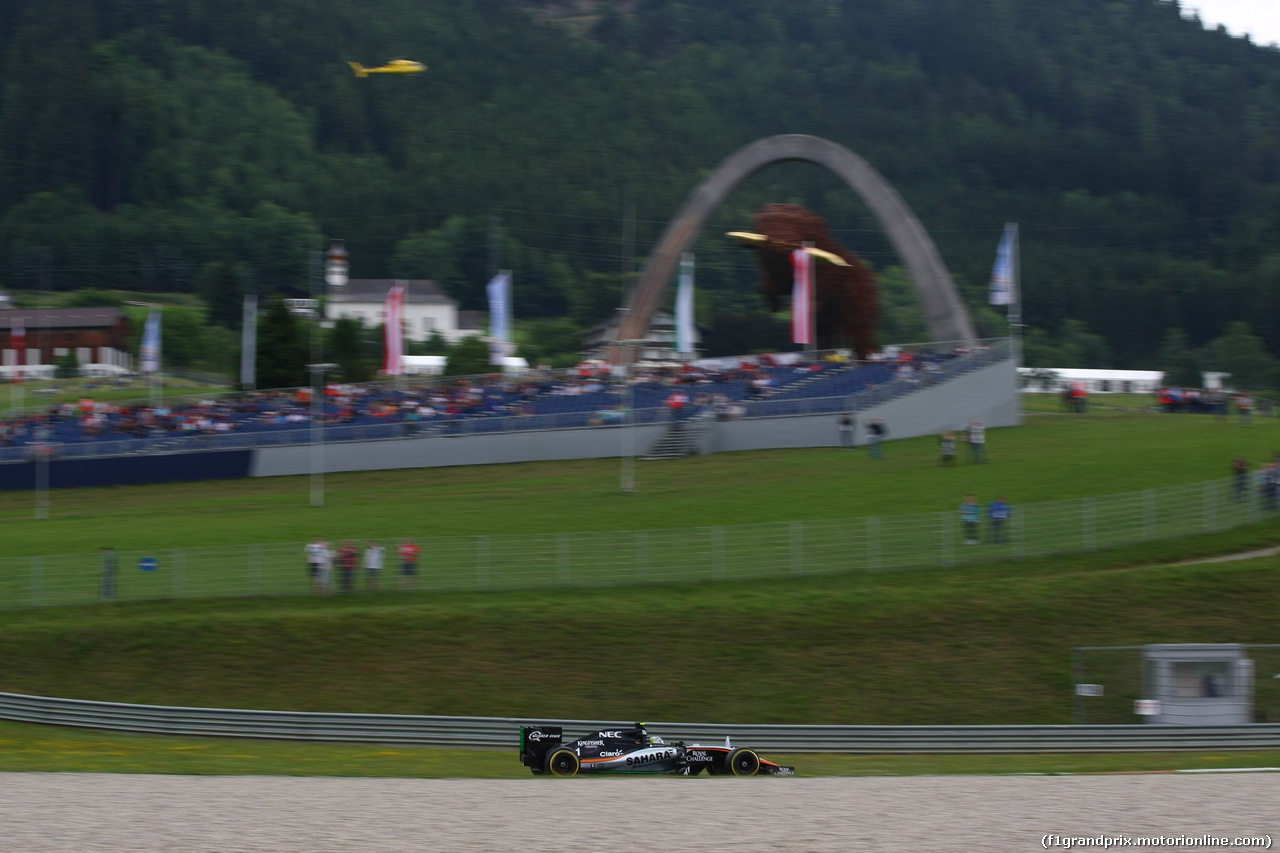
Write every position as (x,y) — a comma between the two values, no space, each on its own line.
(743,762)
(563,762)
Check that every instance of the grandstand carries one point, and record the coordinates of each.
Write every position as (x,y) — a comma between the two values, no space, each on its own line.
(782,394)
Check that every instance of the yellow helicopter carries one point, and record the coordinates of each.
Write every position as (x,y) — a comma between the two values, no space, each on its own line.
(395,66)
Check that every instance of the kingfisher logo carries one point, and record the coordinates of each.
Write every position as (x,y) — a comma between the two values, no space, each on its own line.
(651,757)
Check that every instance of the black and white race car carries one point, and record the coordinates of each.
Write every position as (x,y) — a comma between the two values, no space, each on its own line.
(544,751)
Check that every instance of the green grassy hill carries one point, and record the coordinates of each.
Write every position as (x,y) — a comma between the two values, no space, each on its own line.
(981,643)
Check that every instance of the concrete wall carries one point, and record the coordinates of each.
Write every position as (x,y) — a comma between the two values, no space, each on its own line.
(444,451)
(988,395)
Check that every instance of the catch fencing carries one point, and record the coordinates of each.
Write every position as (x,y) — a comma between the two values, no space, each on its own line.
(504,732)
(632,557)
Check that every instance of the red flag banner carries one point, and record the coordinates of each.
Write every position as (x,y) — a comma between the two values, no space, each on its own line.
(802,298)
(18,341)
(393,330)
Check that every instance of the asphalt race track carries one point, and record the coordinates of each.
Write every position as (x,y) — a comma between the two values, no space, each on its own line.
(183,814)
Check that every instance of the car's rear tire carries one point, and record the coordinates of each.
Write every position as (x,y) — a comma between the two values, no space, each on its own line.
(563,762)
(742,762)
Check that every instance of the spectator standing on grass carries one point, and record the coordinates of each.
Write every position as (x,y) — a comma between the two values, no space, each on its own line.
(374,555)
(1270,483)
(108,570)
(409,554)
(877,432)
(1239,478)
(976,435)
(314,551)
(947,449)
(324,569)
(348,556)
(1244,405)
(970,518)
(846,425)
(997,515)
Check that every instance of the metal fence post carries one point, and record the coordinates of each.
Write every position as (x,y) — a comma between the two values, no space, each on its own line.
(642,554)
(563,570)
(717,553)
(1089,521)
(873,542)
(37,581)
(482,562)
(1210,507)
(255,564)
(797,547)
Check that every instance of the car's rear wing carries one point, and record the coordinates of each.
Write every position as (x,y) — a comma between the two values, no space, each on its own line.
(535,742)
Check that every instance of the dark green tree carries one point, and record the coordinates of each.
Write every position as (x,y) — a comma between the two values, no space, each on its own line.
(282,348)
(1180,363)
(1240,353)
(346,348)
(468,357)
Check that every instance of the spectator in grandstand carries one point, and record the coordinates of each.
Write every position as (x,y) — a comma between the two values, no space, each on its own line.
(997,515)
(976,436)
(846,424)
(877,432)
(970,519)
(374,555)
(409,554)
(947,449)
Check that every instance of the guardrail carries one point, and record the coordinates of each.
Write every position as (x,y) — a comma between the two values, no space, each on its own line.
(503,732)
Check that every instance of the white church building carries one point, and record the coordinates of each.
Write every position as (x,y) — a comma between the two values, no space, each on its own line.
(427,308)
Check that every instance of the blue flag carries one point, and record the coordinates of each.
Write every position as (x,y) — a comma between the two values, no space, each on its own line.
(1002,289)
(149,350)
(684,307)
(499,289)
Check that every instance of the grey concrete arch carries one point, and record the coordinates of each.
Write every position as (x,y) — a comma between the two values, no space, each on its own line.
(940,303)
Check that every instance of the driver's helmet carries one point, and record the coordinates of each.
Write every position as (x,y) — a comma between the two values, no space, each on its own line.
(654,740)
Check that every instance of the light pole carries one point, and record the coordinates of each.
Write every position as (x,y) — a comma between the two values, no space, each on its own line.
(629,431)
(335,275)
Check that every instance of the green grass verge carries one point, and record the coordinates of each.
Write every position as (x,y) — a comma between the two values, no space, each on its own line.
(47,749)
(984,643)
(1051,458)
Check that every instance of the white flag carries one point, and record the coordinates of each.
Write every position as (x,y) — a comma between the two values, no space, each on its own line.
(684,307)
(1002,289)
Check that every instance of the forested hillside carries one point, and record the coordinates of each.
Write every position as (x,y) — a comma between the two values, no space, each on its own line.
(192,145)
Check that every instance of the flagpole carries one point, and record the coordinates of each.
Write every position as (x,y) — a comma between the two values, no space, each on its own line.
(1015,306)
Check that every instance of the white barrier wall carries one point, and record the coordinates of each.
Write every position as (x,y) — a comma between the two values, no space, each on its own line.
(988,395)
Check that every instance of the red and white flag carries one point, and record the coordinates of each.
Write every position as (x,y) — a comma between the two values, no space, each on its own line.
(393,330)
(802,298)
(18,341)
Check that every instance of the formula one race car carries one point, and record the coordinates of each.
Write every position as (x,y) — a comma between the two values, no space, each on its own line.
(634,750)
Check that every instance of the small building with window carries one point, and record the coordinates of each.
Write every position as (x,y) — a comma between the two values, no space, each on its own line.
(1198,684)
(427,308)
